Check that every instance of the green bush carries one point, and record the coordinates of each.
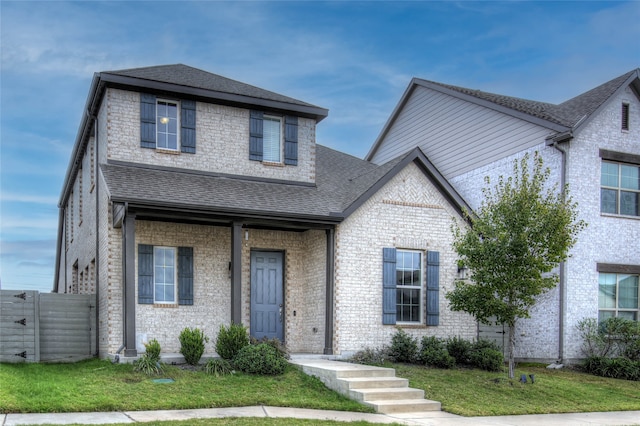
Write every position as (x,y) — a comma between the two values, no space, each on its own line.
(218,367)
(260,359)
(404,348)
(230,340)
(433,353)
(152,349)
(192,342)
(487,359)
(275,342)
(613,337)
(617,368)
(147,365)
(460,349)
(370,356)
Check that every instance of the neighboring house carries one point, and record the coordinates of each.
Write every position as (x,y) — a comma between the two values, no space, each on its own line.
(192,200)
(591,142)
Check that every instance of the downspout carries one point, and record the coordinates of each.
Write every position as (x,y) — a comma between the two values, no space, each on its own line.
(97,256)
(562,275)
(56,277)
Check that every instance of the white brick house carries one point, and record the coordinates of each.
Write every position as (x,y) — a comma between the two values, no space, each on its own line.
(193,200)
(591,142)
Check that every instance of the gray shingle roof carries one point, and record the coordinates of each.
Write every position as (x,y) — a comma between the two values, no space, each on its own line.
(187,76)
(568,113)
(340,180)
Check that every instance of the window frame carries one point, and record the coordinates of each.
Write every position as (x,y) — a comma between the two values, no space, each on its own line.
(619,188)
(420,269)
(616,309)
(175,275)
(280,120)
(159,124)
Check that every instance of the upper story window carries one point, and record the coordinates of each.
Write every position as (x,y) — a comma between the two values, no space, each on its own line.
(620,189)
(625,117)
(167,124)
(272,137)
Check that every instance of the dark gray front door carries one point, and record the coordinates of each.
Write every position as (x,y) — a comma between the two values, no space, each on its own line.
(267,305)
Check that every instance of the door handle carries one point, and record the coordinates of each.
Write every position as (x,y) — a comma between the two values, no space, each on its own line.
(280,311)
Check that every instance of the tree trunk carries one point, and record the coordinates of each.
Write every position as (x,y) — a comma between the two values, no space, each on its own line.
(512,348)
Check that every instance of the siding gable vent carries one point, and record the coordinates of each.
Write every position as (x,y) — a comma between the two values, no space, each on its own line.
(625,117)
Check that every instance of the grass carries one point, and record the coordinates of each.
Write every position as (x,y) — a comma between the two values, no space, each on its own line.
(472,392)
(98,385)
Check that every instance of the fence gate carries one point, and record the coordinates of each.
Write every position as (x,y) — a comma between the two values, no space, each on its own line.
(46,327)
(497,333)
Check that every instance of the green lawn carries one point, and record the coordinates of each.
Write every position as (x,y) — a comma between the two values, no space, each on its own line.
(471,392)
(97,385)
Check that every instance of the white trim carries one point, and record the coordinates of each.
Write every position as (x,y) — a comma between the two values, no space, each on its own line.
(175,276)
(421,287)
(178,124)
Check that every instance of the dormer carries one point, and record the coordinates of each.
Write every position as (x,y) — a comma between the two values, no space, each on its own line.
(175,116)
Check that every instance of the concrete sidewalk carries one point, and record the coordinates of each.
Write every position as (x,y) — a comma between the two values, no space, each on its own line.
(425,418)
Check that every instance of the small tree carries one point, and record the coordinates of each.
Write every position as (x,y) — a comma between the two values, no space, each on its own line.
(521,232)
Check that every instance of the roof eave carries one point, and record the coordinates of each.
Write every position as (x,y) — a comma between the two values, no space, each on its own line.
(308,111)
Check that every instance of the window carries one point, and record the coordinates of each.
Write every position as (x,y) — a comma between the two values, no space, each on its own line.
(618,296)
(271,146)
(165,275)
(625,117)
(404,296)
(167,124)
(620,189)
(268,137)
(408,286)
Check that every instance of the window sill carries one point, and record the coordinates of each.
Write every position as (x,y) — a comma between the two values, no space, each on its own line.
(168,151)
(411,326)
(620,216)
(272,164)
(165,305)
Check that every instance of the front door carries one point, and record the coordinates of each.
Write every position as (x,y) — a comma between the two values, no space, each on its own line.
(267,305)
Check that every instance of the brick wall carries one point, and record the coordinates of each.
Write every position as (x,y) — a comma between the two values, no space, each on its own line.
(407,213)
(222,141)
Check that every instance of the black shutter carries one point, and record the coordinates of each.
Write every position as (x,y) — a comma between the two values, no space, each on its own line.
(291,140)
(388,286)
(188,127)
(185,275)
(147,120)
(433,288)
(255,135)
(145,274)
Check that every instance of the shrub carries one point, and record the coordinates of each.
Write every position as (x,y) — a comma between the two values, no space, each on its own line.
(218,367)
(230,340)
(487,359)
(612,337)
(260,359)
(192,342)
(370,356)
(404,348)
(275,342)
(147,365)
(485,344)
(152,349)
(433,353)
(617,368)
(460,349)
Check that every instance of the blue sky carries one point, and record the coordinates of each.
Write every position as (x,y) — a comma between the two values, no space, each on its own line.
(354,58)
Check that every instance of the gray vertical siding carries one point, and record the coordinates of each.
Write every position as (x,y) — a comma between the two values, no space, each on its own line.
(58,327)
(456,135)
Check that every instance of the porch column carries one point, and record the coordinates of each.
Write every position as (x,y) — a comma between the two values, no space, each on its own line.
(328,324)
(236,273)
(129,287)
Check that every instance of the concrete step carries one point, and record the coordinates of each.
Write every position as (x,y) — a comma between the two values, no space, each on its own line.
(374,382)
(386,394)
(404,406)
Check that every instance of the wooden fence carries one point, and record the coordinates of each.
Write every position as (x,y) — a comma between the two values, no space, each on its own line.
(48,327)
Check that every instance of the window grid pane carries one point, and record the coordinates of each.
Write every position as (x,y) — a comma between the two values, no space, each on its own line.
(409,286)
(271,139)
(620,192)
(167,125)
(164,274)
